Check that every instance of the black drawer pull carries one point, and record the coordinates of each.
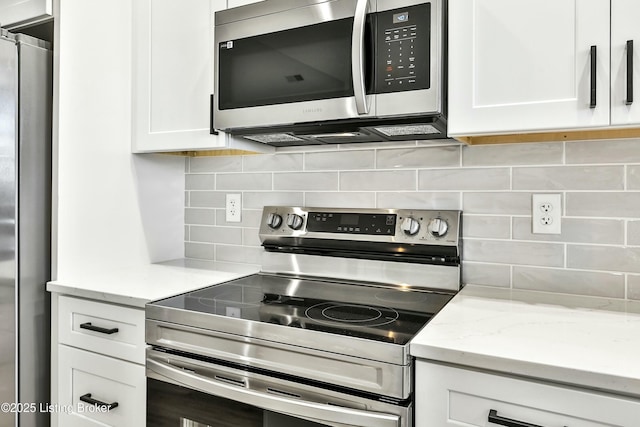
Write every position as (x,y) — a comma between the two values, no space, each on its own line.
(629,100)
(90,327)
(592,89)
(106,406)
(507,422)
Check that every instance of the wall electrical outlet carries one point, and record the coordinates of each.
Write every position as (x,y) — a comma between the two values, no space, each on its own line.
(233,208)
(546,213)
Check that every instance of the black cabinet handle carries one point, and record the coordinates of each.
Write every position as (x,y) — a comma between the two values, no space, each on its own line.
(90,327)
(507,422)
(592,102)
(629,72)
(107,406)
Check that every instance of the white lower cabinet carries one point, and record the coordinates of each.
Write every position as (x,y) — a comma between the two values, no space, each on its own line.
(452,396)
(98,371)
(84,376)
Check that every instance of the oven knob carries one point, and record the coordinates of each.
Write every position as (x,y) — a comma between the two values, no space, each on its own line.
(274,220)
(410,226)
(438,227)
(294,221)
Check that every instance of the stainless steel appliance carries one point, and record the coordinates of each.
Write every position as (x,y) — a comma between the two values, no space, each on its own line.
(299,72)
(25,200)
(320,336)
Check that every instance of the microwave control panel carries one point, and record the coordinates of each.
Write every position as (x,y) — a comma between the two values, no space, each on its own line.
(403,49)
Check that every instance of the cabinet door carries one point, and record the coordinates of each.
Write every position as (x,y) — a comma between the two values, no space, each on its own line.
(173,74)
(526,65)
(625,77)
(15,12)
(84,375)
(449,396)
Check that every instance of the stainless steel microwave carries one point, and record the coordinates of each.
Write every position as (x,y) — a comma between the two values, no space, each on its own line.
(298,72)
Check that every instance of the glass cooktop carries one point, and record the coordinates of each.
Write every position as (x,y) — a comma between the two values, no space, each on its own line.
(392,315)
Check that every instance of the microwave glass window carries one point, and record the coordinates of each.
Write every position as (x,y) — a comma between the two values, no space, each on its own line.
(300,64)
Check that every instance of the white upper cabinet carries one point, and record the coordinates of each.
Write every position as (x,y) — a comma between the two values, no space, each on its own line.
(517,66)
(173,76)
(13,13)
(625,63)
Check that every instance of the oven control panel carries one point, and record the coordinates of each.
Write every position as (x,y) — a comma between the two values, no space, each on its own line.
(440,227)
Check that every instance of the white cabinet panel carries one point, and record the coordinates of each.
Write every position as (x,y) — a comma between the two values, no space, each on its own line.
(81,373)
(514,66)
(79,318)
(450,396)
(624,28)
(173,74)
(22,11)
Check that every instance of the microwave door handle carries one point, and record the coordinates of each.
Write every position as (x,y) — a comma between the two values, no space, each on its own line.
(357,56)
(324,414)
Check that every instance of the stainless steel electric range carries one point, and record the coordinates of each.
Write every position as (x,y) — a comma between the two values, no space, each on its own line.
(320,337)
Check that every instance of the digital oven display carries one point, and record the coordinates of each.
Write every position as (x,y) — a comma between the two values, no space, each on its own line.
(352,223)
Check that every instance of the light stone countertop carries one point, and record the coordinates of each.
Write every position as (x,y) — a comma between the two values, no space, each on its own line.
(135,286)
(585,341)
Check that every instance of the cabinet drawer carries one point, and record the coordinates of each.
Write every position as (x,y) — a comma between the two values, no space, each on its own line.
(449,396)
(104,328)
(108,380)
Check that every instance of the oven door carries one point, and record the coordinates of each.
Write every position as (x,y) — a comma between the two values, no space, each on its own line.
(185,392)
(279,63)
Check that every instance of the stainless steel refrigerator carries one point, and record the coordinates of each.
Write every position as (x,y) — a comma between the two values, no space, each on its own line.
(25,206)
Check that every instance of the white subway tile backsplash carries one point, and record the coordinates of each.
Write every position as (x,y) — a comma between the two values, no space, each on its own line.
(215,164)
(258,200)
(616,151)
(590,283)
(499,203)
(340,199)
(273,162)
(633,233)
(418,200)
(340,160)
(419,157)
(464,179)
(206,199)
(609,205)
(569,178)
(597,253)
(206,234)
(512,154)
(401,180)
(514,253)
(244,181)
(312,181)
(490,227)
(633,177)
(633,287)
(198,216)
(200,181)
(199,251)
(575,230)
(606,258)
(486,274)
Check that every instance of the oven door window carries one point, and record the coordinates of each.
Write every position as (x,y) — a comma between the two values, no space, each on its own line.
(173,406)
(301,64)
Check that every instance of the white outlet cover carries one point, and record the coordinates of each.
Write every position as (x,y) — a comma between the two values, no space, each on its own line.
(546,213)
(233,211)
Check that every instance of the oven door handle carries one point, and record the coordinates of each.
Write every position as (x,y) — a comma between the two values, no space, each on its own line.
(336,416)
(357,56)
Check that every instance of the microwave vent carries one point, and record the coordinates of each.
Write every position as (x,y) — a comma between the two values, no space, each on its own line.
(419,129)
(274,138)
